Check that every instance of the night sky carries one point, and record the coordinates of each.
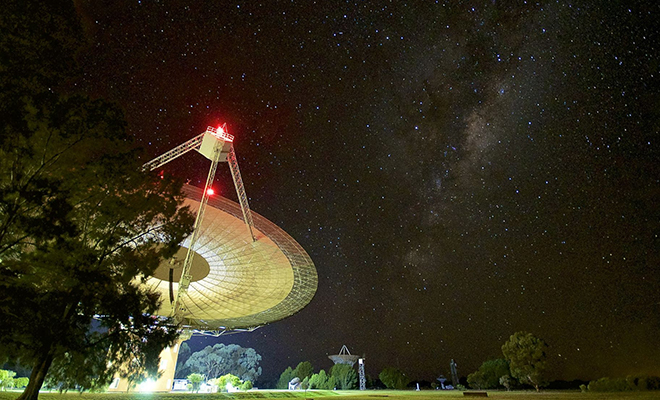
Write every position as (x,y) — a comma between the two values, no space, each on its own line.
(458,171)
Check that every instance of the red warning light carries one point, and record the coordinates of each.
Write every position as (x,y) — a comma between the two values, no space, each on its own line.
(210,192)
(220,133)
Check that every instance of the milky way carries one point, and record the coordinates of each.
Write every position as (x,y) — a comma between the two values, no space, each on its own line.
(458,171)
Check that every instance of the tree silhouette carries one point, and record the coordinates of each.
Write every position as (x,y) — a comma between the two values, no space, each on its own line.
(344,375)
(80,224)
(527,356)
(224,359)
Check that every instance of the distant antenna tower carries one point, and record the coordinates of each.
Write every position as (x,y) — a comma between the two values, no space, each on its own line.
(363,378)
(344,357)
(454,374)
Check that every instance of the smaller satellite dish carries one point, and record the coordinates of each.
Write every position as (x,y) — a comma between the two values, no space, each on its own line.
(344,357)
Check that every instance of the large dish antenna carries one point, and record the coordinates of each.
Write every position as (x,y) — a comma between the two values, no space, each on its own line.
(237,270)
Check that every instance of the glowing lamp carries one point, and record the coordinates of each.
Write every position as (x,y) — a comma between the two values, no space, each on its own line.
(210,192)
(220,133)
(214,137)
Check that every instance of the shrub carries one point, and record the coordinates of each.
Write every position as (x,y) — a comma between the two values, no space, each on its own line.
(319,381)
(195,382)
(507,381)
(20,383)
(630,383)
(228,378)
(609,385)
(393,378)
(488,375)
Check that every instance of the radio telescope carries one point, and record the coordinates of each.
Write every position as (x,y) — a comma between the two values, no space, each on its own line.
(344,357)
(236,283)
(236,271)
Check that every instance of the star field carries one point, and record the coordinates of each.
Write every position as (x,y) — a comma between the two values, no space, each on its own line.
(458,171)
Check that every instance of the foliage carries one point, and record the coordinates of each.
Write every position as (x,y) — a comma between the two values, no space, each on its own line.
(80,224)
(75,370)
(630,383)
(647,382)
(184,354)
(488,375)
(344,376)
(223,359)
(303,370)
(247,385)
(7,379)
(393,378)
(526,355)
(195,382)
(332,383)
(476,380)
(319,381)
(285,378)
(222,382)
(20,383)
(507,381)
(609,385)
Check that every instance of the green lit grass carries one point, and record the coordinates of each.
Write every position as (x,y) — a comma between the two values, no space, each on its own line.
(345,395)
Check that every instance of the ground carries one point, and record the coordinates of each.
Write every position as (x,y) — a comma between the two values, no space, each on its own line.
(346,395)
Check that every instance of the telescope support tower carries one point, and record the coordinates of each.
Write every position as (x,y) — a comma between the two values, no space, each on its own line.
(363,377)
(217,146)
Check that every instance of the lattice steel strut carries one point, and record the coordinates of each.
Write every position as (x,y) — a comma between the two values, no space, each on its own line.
(216,145)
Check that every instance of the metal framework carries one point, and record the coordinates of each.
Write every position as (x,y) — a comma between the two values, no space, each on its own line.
(230,281)
(344,357)
(192,144)
(363,377)
(186,277)
(213,145)
(247,283)
(240,190)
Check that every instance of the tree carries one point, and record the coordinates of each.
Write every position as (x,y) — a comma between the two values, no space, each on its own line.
(21,382)
(332,383)
(195,382)
(245,386)
(489,374)
(81,226)
(527,356)
(184,354)
(507,381)
(303,370)
(77,370)
(476,380)
(285,378)
(6,379)
(344,375)
(223,359)
(393,378)
(111,225)
(629,383)
(222,382)
(319,381)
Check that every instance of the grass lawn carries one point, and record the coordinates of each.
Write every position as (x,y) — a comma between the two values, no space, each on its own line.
(345,395)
